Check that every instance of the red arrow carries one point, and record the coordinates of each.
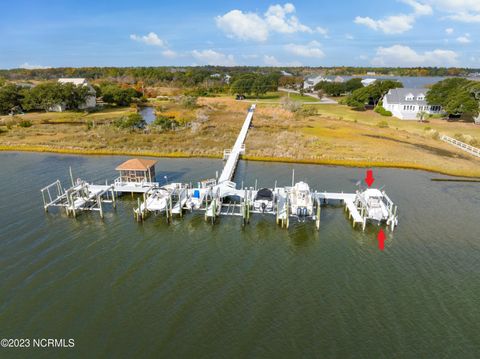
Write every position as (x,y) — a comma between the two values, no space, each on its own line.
(381,239)
(369,178)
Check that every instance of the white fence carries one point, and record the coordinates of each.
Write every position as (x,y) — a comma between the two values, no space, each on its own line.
(462,145)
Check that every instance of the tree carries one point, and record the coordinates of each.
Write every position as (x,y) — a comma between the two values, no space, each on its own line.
(421,115)
(74,96)
(132,122)
(457,96)
(372,94)
(10,97)
(43,96)
(114,94)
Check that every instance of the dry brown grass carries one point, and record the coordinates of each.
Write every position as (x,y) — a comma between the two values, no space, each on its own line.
(335,136)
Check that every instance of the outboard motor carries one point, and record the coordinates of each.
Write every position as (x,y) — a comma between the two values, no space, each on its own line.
(264,205)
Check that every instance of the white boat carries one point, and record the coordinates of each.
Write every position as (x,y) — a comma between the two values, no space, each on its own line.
(158,200)
(378,206)
(264,200)
(301,200)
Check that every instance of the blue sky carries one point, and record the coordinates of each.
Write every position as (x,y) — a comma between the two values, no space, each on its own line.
(313,33)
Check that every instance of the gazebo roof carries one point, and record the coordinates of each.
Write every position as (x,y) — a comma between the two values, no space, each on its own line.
(136,164)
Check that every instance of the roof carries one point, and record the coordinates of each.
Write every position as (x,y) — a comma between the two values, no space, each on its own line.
(75,81)
(136,164)
(397,96)
(366,82)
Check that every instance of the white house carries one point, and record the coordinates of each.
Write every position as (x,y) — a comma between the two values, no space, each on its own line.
(406,103)
(90,101)
(310,81)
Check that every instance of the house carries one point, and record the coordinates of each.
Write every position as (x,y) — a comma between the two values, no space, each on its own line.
(90,101)
(407,103)
(339,79)
(310,81)
(137,170)
(368,82)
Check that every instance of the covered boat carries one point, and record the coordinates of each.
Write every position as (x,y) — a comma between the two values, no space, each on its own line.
(264,200)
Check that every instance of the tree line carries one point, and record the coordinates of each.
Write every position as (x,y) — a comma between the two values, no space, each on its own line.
(44,96)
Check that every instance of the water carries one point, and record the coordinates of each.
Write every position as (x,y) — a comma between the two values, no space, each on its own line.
(148,114)
(407,81)
(191,290)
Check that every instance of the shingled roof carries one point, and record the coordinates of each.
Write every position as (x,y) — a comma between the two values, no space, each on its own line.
(136,164)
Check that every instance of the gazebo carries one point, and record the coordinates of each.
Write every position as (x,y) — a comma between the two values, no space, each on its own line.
(137,170)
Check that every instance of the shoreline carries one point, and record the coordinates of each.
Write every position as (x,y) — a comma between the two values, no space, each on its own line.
(340,163)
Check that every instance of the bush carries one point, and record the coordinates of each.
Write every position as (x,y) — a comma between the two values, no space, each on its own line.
(165,122)
(382,124)
(381,110)
(132,122)
(290,105)
(306,111)
(25,123)
(188,102)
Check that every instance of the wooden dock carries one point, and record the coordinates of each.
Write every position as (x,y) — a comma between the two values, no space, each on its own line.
(218,197)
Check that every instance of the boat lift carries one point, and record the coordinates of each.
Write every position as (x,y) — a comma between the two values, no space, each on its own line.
(220,197)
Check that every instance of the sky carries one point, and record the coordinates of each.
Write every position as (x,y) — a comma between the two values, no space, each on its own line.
(407,33)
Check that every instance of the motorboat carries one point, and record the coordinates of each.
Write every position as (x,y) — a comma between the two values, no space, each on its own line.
(264,200)
(301,200)
(158,200)
(378,206)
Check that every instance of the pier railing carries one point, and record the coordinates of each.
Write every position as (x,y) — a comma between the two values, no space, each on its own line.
(462,145)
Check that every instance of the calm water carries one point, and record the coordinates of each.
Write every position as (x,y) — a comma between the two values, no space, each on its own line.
(190,290)
(407,81)
(148,114)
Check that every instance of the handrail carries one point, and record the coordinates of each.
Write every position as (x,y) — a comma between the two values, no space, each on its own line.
(461,145)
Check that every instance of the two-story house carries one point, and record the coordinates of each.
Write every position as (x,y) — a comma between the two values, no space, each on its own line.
(407,103)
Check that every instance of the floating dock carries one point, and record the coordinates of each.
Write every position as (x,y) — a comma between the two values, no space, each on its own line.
(220,196)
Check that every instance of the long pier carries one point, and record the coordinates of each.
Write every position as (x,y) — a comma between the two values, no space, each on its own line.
(221,197)
(237,150)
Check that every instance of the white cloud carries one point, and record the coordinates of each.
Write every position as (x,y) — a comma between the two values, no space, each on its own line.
(458,10)
(169,53)
(211,57)
(396,24)
(271,61)
(400,55)
(28,66)
(244,26)
(418,8)
(349,37)
(252,26)
(322,31)
(310,50)
(150,39)
(465,39)
(281,19)
(449,30)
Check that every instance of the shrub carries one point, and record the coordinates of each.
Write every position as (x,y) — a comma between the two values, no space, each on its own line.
(132,122)
(188,102)
(25,123)
(306,111)
(381,110)
(382,124)
(165,122)
(290,105)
